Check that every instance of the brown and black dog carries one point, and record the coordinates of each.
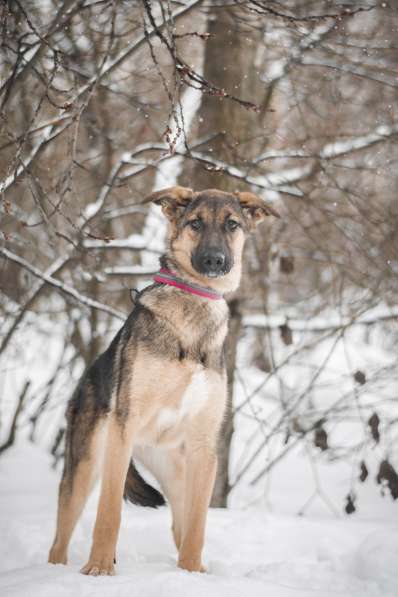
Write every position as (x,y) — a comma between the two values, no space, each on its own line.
(158,392)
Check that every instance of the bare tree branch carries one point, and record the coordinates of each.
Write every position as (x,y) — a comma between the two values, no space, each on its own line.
(14,422)
(61,286)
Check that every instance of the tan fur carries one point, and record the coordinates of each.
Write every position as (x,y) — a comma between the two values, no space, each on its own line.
(257,207)
(167,464)
(185,243)
(72,499)
(167,408)
(117,457)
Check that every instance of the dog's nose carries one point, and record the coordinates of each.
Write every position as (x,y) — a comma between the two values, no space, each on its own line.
(212,260)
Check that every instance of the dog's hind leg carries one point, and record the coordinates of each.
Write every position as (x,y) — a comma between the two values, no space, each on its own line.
(79,476)
(172,481)
(168,468)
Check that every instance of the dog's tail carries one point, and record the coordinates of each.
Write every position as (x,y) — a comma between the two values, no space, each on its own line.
(139,492)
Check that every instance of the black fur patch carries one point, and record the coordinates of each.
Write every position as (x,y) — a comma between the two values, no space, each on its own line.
(139,492)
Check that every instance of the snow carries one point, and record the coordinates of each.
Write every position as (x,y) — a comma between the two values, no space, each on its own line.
(134,241)
(273,183)
(132,270)
(341,147)
(277,69)
(259,546)
(319,324)
(247,552)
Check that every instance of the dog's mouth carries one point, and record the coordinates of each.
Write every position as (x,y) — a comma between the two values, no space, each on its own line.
(215,274)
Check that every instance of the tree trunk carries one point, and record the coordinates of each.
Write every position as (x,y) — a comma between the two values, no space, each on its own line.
(222,486)
(230,54)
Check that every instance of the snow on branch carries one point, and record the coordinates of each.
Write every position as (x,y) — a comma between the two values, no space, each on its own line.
(335,149)
(35,291)
(320,324)
(281,68)
(15,419)
(49,133)
(65,288)
(340,148)
(277,181)
(135,242)
(270,182)
(131,270)
(274,182)
(92,209)
(112,64)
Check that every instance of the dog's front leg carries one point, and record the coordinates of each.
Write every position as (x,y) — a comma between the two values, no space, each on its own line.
(117,458)
(201,465)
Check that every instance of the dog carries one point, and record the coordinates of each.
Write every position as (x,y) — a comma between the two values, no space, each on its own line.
(158,393)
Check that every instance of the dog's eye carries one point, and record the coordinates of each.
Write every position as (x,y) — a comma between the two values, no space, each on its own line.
(196,224)
(231,225)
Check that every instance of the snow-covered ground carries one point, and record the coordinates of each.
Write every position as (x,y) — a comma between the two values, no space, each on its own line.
(257,547)
(248,553)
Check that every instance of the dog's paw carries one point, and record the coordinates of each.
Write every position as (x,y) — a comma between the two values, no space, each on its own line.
(99,568)
(191,565)
(57,556)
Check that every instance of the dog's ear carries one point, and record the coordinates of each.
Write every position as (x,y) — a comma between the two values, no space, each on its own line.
(255,208)
(173,200)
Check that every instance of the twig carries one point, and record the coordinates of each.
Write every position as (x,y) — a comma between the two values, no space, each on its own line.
(14,423)
(65,288)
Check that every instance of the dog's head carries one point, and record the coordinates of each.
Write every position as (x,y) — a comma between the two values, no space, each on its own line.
(207,231)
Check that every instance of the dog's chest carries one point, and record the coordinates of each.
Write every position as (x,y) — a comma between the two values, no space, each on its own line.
(192,401)
(183,399)
(177,377)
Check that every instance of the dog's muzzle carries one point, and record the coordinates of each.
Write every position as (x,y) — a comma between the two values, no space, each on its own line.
(211,262)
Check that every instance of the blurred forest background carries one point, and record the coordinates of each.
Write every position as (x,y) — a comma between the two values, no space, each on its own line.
(104,101)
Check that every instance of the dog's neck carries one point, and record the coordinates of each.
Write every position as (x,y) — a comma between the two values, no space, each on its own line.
(171,274)
(169,278)
(220,285)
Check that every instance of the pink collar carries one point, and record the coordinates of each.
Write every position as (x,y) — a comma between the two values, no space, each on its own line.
(166,276)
